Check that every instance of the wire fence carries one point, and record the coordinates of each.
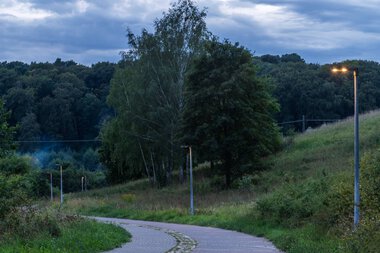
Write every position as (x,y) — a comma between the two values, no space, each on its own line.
(304,122)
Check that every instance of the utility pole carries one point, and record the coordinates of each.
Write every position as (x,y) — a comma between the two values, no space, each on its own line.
(191,178)
(60,167)
(51,186)
(191,184)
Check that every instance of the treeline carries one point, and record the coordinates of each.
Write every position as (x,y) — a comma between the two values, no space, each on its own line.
(55,101)
(50,102)
(314,91)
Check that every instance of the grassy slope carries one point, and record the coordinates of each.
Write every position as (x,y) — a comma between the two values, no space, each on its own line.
(326,150)
(77,237)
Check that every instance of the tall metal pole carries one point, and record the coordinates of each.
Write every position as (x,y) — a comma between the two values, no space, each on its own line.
(356,153)
(61,185)
(191,184)
(51,186)
(82,184)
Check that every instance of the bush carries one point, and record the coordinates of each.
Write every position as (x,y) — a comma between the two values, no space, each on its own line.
(294,204)
(246,182)
(12,193)
(128,197)
(366,239)
(29,222)
(327,203)
(337,211)
(370,183)
(15,165)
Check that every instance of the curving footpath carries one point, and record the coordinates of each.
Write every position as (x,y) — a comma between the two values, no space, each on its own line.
(152,237)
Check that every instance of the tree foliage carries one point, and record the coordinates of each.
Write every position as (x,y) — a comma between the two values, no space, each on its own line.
(314,91)
(147,94)
(228,110)
(6,133)
(63,100)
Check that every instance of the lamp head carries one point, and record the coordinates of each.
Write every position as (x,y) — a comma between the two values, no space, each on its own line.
(339,70)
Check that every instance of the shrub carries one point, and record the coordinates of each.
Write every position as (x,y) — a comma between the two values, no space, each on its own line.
(370,183)
(15,165)
(294,204)
(246,182)
(338,206)
(327,203)
(28,222)
(12,193)
(366,239)
(128,197)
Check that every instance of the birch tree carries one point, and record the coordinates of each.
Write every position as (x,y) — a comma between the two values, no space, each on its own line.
(149,98)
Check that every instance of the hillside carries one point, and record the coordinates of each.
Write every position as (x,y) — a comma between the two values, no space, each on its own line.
(324,150)
(286,202)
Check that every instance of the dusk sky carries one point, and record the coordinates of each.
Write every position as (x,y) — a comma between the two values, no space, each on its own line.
(87,32)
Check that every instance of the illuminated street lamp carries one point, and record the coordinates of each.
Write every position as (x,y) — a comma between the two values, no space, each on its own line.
(356,140)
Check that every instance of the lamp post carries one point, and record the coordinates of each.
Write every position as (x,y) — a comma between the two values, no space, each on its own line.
(191,180)
(51,186)
(60,166)
(356,142)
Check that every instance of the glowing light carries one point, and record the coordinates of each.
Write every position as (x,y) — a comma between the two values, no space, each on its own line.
(341,70)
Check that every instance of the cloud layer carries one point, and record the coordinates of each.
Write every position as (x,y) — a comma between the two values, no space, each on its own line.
(91,31)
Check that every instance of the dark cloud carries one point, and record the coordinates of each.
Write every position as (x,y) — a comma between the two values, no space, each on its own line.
(91,31)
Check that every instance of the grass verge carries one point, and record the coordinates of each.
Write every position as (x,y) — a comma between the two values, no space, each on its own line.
(80,236)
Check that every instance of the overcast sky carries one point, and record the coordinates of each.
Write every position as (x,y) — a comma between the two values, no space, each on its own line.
(89,31)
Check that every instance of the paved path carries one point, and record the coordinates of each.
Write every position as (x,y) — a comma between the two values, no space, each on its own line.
(152,237)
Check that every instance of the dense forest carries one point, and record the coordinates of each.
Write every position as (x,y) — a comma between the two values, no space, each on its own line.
(314,91)
(165,92)
(68,101)
(53,102)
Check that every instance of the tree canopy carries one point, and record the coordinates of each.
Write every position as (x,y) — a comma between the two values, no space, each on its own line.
(228,114)
(147,94)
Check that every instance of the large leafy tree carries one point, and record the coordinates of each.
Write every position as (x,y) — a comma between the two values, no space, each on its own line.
(147,94)
(228,110)
(6,133)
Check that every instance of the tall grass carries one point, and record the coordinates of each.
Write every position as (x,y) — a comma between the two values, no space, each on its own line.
(300,169)
(29,229)
(82,236)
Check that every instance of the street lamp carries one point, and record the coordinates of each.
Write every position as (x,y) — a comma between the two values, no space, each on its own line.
(356,141)
(60,166)
(51,186)
(82,184)
(191,180)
